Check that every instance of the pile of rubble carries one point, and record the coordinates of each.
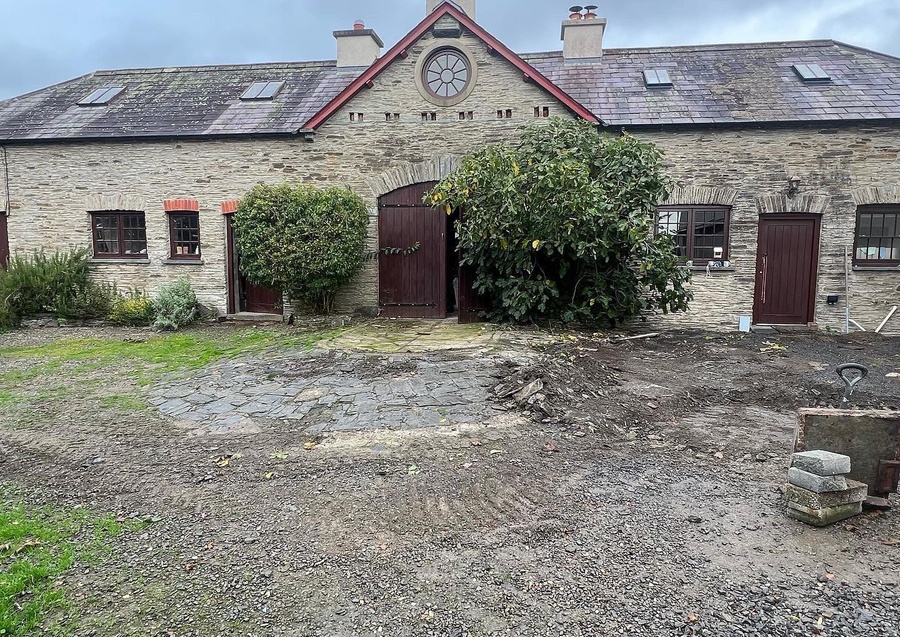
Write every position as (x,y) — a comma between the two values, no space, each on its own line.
(819,492)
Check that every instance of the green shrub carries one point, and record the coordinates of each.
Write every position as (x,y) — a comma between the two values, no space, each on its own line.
(59,284)
(133,308)
(561,227)
(304,241)
(175,306)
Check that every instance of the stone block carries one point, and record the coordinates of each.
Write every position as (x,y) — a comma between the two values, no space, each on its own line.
(824,517)
(822,463)
(855,492)
(817,484)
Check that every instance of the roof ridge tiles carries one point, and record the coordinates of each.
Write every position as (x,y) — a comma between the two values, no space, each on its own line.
(213,67)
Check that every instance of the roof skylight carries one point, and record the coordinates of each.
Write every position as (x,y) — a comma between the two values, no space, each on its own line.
(262,91)
(101,96)
(657,78)
(811,73)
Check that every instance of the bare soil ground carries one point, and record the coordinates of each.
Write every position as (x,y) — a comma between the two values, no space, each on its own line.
(636,494)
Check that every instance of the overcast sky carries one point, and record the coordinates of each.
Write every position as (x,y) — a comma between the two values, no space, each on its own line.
(47,41)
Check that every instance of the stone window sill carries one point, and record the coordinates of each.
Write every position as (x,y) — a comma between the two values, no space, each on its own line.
(876,268)
(120,261)
(184,262)
(702,268)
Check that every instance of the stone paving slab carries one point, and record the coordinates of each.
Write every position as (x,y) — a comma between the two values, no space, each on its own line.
(334,390)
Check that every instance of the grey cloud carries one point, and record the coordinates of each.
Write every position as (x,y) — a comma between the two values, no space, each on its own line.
(51,40)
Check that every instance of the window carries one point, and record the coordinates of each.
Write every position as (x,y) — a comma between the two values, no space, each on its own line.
(101,96)
(657,78)
(447,73)
(877,236)
(700,233)
(119,235)
(262,91)
(184,235)
(811,73)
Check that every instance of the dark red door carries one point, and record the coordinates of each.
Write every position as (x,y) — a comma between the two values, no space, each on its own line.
(261,300)
(412,260)
(4,242)
(786,269)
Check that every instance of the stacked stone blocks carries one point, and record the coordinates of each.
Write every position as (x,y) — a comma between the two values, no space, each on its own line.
(819,492)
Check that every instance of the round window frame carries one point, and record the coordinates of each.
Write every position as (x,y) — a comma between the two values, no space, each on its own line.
(421,68)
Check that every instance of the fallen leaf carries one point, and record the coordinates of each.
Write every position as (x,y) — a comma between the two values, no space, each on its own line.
(309,446)
(476,443)
(27,544)
(690,619)
(719,455)
(549,446)
(222,462)
(279,455)
(270,475)
(413,470)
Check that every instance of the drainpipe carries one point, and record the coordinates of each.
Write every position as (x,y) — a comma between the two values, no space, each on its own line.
(5,157)
(847,289)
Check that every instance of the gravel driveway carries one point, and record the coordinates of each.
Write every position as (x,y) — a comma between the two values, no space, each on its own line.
(636,494)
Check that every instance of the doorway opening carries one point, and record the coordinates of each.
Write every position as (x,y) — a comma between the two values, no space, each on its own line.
(419,269)
(787,269)
(244,296)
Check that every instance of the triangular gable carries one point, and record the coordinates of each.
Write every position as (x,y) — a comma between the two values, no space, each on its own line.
(401,48)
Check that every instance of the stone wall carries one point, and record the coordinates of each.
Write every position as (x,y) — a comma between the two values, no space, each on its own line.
(838,167)
(55,185)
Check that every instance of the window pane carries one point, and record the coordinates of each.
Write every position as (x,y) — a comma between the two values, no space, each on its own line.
(106,228)
(185,230)
(709,234)
(865,225)
(135,234)
(890,225)
(674,223)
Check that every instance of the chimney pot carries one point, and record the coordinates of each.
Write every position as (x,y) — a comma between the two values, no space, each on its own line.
(359,25)
(575,12)
(590,12)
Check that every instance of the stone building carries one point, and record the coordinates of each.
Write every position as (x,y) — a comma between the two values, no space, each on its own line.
(786,156)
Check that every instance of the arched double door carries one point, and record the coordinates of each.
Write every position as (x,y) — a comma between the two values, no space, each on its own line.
(418,264)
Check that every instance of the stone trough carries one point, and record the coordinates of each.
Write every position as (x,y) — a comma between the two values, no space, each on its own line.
(871,438)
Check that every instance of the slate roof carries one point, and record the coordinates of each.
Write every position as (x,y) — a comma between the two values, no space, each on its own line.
(184,101)
(731,83)
(717,84)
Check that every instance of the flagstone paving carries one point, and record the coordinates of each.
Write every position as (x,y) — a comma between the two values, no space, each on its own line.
(381,375)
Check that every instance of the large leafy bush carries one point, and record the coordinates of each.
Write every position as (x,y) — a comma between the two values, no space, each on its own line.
(562,226)
(58,283)
(304,241)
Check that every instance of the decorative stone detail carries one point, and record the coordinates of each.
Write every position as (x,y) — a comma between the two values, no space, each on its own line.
(875,195)
(230,207)
(701,196)
(434,169)
(814,204)
(99,203)
(179,205)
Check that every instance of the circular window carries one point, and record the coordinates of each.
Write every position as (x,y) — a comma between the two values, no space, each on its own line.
(447,74)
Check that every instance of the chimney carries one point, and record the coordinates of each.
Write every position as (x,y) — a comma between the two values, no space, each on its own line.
(357,47)
(466,6)
(582,34)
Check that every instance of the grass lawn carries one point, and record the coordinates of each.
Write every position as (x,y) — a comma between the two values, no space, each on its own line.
(43,373)
(37,545)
